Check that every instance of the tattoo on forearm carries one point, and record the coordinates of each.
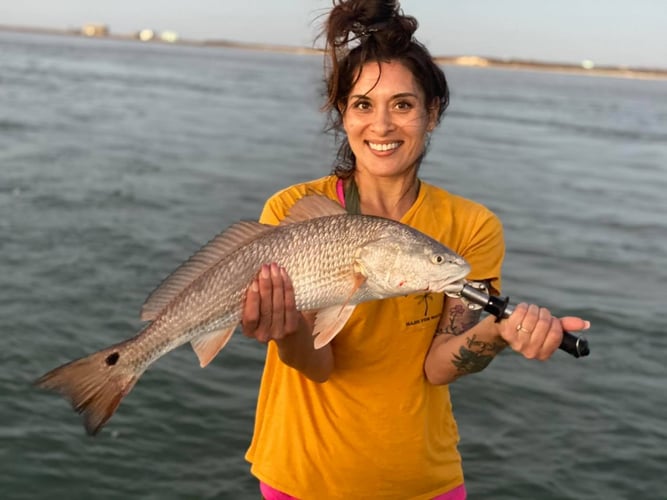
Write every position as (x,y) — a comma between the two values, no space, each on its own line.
(477,355)
(459,320)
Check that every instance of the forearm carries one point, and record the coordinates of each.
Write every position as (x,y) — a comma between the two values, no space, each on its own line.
(454,354)
(297,351)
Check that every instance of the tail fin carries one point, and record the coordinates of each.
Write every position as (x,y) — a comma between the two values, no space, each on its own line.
(95,385)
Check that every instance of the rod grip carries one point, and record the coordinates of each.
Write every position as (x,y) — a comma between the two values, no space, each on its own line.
(501,308)
(574,345)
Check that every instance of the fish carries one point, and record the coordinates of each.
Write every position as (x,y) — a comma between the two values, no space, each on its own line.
(335,261)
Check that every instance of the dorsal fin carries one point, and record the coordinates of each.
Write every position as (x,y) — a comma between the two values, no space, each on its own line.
(204,259)
(312,206)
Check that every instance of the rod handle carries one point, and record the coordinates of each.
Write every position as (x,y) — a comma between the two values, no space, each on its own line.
(500,307)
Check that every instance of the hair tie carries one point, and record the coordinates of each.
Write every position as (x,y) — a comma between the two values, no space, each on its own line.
(364,31)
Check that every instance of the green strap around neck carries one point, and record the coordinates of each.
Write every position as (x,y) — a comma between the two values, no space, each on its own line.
(352,203)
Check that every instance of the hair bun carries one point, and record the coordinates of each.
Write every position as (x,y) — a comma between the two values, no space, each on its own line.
(367,12)
(352,20)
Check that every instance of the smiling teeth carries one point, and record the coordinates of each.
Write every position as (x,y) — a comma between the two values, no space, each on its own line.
(384,147)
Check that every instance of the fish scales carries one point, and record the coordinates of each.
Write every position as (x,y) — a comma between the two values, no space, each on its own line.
(215,300)
(335,261)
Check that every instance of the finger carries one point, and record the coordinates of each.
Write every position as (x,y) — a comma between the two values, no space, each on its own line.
(278,306)
(515,319)
(266,304)
(517,316)
(509,332)
(530,320)
(291,313)
(552,340)
(574,324)
(250,315)
(524,328)
(538,334)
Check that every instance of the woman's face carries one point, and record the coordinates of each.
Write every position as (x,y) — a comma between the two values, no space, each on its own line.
(386,126)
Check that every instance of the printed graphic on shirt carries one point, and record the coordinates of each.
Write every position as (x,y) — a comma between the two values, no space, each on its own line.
(426,308)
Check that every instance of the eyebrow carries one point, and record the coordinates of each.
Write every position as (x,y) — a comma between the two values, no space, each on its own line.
(397,96)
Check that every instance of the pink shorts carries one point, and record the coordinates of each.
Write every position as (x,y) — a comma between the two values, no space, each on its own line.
(458,493)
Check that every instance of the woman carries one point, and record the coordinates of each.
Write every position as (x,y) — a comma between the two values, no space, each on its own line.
(369,415)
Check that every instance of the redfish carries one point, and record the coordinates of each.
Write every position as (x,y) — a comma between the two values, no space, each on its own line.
(335,261)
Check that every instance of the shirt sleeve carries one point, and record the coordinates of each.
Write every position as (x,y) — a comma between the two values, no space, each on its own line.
(276,207)
(486,250)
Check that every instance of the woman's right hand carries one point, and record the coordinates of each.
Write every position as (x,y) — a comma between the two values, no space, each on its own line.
(269,312)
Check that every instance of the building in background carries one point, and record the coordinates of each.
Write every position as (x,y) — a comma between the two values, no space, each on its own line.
(92,29)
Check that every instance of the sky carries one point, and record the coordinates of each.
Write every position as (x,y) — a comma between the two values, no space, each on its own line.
(608,32)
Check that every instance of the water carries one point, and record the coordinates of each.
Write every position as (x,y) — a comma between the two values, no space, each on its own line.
(118,160)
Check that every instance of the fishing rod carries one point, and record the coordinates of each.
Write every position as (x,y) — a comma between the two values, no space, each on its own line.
(501,308)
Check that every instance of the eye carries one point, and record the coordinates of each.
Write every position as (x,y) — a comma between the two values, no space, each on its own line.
(404,105)
(362,105)
(438,258)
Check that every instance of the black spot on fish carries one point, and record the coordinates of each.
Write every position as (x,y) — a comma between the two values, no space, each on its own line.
(112,359)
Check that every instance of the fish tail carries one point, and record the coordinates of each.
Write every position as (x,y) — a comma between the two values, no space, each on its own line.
(95,384)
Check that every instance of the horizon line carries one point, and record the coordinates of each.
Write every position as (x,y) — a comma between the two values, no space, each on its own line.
(101,31)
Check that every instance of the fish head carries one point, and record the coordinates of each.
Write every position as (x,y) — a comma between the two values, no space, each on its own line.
(410,262)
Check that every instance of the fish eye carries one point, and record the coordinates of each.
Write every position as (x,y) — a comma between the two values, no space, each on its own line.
(438,258)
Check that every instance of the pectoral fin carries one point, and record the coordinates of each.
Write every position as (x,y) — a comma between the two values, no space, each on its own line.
(330,321)
(207,347)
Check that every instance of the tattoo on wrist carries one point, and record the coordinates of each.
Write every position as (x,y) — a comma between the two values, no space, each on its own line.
(477,355)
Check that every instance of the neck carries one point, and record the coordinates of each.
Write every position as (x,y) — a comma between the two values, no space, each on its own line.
(387,197)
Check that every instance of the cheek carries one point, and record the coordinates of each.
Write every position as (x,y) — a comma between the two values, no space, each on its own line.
(351,126)
(403,273)
(414,127)
(417,127)
(409,284)
(345,125)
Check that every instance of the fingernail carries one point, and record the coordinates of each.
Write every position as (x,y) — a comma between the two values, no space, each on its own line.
(265,271)
(254,286)
(587,325)
(274,270)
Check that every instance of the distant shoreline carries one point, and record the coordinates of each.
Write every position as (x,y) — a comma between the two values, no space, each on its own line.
(465,61)
(523,65)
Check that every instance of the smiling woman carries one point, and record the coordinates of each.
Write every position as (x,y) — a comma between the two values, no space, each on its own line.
(386,121)
(368,415)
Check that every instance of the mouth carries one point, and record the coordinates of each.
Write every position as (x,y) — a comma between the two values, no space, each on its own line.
(384,147)
(455,287)
(454,283)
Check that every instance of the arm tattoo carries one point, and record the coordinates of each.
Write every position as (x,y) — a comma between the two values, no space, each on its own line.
(477,355)
(459,320)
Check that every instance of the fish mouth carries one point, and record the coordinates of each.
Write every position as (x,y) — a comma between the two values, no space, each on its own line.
(455,287)
(454,283)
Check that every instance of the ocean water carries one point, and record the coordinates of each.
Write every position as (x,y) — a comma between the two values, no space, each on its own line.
(118,160)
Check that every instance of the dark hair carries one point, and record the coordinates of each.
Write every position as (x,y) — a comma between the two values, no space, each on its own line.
(362,31)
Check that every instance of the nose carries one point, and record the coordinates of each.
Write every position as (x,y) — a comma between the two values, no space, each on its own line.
(382,121)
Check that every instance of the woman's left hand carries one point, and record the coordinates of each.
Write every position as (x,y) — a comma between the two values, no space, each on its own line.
(535,333)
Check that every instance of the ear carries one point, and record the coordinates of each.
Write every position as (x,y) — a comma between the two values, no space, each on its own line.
(341,106)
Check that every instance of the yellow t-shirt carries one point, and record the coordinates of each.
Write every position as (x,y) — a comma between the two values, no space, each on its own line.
(377,429)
